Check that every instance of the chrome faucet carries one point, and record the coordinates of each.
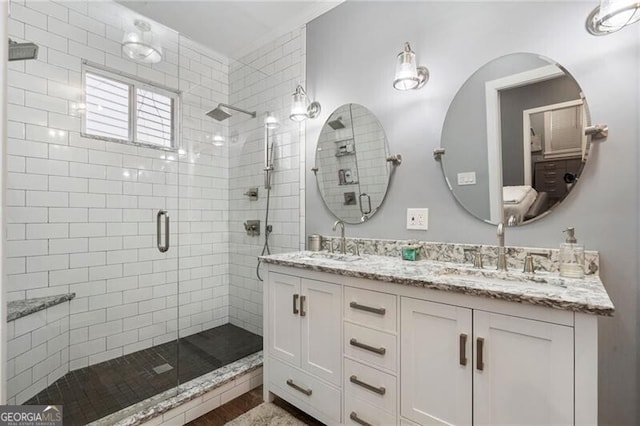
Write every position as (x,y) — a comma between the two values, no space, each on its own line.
(343,240)
(502,258)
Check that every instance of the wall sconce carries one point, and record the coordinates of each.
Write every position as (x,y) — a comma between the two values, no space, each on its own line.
(301,109)
(271,121)
(142,45)
(408,75)
(612,16)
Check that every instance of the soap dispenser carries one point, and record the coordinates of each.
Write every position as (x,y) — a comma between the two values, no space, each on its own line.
(571,256)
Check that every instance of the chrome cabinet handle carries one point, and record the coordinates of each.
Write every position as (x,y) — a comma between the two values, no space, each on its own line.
(479,353)
(379,351)
(356,305)
(380,391)
(295,301)
(302,312)
(165,247)
(463,349)
(307,392)
(354,416)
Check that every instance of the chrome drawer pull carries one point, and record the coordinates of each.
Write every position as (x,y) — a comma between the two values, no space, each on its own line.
(307,392)
(356,305)
(380,391)
(354,416)
(379,351)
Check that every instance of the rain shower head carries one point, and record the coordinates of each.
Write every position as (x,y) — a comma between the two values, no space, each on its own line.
(218,114)
(336,124)
(22,51)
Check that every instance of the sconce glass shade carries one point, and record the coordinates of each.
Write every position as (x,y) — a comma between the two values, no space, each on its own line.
(612,16)
(270,121)
(141,45)
(408,75)
(301,109)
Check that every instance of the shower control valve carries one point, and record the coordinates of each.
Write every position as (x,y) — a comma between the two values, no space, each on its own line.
(252,227)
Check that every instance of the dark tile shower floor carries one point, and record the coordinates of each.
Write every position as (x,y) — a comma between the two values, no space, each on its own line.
(96,391)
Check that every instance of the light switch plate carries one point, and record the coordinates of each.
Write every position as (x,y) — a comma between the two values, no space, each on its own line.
(468,178)
(418,219)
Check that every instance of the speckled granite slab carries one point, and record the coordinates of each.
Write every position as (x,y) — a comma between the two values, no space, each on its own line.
(157,405)
(20,308)
(461,253)
(586,295)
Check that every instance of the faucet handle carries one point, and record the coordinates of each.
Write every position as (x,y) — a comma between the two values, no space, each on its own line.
(529,267)
(477,258)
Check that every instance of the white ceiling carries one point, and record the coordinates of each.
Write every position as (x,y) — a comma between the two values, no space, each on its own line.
(232,28)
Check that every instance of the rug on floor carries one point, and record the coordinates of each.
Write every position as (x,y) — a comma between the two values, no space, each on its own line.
(266,414)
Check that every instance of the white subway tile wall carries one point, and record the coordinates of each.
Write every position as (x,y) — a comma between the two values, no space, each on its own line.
(266,84)
(82,211)
(37,352)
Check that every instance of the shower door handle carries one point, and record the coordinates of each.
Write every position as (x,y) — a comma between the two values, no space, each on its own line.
(165,247)
(368,198)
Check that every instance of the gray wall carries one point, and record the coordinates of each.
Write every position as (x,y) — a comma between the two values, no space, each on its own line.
(350,58)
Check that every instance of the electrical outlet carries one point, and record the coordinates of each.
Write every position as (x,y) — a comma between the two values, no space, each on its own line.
(418,219)
(468,178)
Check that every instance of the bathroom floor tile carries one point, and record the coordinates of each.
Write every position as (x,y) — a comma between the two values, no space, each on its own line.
(93,392)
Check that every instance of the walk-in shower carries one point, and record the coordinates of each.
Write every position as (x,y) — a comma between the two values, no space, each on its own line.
(135,308)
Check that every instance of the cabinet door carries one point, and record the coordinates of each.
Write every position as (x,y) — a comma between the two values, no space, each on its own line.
(527,376)
(436,370)
(321,324)
(284,323)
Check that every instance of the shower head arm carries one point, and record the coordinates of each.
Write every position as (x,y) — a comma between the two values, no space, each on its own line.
(251,113)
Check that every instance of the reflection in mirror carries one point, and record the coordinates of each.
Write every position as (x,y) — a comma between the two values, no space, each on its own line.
(351,163)
(514,139)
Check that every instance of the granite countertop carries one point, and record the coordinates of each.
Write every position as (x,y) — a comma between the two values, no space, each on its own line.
(20,308)
(586,295)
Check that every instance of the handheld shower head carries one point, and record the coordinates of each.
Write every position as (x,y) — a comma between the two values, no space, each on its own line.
(218,114)
(22,51)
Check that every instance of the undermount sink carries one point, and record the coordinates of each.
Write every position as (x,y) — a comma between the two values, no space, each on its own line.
(338,257)
(493,276)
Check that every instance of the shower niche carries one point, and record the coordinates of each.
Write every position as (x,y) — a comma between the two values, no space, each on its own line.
(353,166)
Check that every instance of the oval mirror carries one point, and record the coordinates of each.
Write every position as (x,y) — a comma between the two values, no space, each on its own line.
(514,139)
(351,163)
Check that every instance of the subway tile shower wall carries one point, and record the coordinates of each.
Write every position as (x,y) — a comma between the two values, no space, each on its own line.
(266,84)
(81,211)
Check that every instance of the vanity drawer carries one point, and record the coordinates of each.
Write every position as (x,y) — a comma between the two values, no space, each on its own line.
(370,385)
(370,346)
(365,413)
(371,308)
(296,385)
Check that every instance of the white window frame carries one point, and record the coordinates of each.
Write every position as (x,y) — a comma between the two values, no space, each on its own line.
(134,83)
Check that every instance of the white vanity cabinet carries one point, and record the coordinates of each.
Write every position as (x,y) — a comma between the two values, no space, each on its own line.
(303,327)
(367,352)
(461,365)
